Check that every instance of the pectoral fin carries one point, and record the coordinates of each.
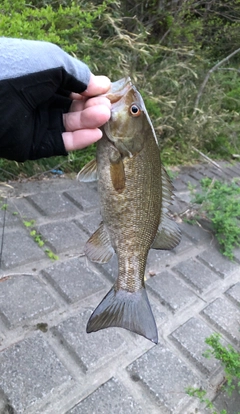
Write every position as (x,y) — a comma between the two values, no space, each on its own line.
(99,248)
(117,172)
(129,310)
(88,172)
(168,235)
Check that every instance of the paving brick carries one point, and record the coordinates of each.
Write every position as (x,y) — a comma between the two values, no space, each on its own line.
(178,205)
(195,273)
(216,261)
(230,402)
(23,298)
(236,253)
(179,185)
(73,279)
(190,339)
(188,180)
(234,293)
(184,245)
(90,349)
(19,248)
(196,233)
(170,291)
(52,204)
(158,260)
(111,398)
(90,222)
(63,236)
(85,196)
(9,217)
(29,371)
(225,317)
(196,174)
(24,209)
(164,376)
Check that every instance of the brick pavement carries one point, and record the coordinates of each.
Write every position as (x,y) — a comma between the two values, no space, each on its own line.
(49,365)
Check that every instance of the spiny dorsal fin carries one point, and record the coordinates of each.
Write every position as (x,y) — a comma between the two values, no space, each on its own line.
(168,235)
(99,248)
(129,310)
(88,172)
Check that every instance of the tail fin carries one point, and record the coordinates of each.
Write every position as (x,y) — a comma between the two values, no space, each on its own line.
(127,310)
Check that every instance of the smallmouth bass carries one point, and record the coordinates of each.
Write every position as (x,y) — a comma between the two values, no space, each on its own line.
(135,192)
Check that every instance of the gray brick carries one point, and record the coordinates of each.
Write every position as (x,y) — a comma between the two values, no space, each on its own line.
(184,245)
(85,196)
(236,253)
(90,222)
(52,204)
(111,398)
(22,298)
(195,273)
(25,210)
(234,293)
(219,263)
(63,236)
(158,260)
(196,233)
(164,376)
(196,174)
(178,205)
(188,180)
(19,248)
(89,349)
(73,279)
(190,338)
(225,317)
(229,401)
(179,185)
(29,371)
(170,291)
(8,216)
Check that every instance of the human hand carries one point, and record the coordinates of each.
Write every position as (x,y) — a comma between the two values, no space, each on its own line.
(87,113)
(48,101)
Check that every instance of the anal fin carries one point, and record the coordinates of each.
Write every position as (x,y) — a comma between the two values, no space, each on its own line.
(128,310)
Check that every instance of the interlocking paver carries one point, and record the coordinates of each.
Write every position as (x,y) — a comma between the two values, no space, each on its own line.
(19,248)
(29,371)
(63,236)
(234,293)
(196,274)
(59,368)
(73,279)
(52,204)
(190,338)
(164,376)
(224,316)
(23,298)
(216,261)
(112,398)
(171,291)
(90,349)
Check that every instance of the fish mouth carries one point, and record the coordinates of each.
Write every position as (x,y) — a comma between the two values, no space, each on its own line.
(118,89)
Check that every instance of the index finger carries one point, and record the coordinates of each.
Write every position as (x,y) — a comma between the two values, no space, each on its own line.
(98,85)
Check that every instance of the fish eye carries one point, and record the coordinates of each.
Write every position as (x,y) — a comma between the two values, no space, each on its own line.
(135,110)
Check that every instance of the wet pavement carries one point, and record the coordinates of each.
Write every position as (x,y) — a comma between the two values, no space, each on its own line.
(49,365)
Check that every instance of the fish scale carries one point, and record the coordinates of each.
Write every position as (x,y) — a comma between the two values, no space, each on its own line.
(134,194)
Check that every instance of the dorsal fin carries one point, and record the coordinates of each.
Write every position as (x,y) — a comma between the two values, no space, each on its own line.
(88,172)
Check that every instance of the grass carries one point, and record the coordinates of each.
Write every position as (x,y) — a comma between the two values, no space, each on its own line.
(219,202)
(230,360)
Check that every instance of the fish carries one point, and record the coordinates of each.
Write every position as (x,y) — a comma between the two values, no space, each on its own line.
(135,193)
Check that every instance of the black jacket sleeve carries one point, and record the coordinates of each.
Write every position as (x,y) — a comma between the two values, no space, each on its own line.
(36,79)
